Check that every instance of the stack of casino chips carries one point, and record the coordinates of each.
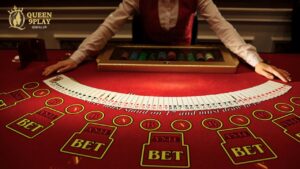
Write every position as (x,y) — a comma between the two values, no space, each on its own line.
(143,56)
(171,56)
(167,55)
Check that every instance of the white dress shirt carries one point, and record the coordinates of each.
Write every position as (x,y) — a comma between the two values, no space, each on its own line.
(168,14)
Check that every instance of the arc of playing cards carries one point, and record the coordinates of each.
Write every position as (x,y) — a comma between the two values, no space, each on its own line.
(252,95)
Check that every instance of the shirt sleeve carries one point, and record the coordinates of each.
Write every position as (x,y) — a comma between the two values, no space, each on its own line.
(227,33)
(98,39)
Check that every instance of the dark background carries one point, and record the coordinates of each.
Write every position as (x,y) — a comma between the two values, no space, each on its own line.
(290,4)
(221,3)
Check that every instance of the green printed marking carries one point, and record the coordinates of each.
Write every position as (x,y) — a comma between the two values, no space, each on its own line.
(2,103)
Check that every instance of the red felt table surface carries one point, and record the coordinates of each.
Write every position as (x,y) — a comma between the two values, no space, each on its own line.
(126,150)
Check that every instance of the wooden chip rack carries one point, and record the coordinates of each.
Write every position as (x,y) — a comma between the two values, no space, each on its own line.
(224,62)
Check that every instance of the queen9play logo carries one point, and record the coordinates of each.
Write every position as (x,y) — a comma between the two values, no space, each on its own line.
(16,18)
(36,19)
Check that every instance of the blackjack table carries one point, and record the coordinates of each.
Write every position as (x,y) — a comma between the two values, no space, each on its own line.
(92,119)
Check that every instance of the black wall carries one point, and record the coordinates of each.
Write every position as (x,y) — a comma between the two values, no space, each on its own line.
(296,26)
(222,3)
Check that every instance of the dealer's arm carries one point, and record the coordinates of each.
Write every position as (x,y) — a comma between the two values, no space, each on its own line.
(232,40)
(98,39)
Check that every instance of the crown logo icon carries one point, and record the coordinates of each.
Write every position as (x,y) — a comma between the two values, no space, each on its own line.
(16,18)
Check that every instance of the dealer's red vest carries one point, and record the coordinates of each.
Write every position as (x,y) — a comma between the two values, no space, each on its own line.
(181,34)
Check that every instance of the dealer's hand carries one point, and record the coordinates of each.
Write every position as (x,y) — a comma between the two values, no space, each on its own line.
(270,71)
(60,67)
